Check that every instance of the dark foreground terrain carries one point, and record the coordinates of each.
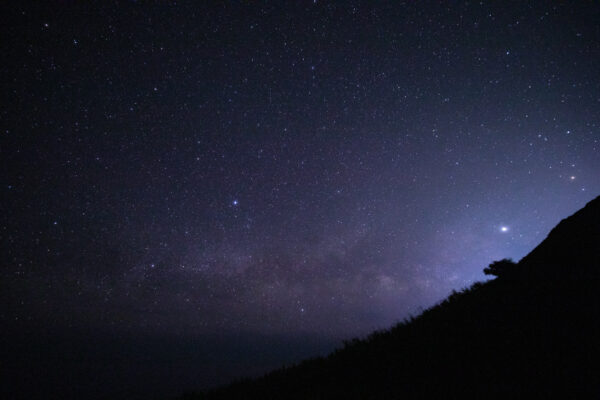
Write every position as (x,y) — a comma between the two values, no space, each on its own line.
(533,331)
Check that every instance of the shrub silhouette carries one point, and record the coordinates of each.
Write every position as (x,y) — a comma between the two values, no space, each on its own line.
(503,267)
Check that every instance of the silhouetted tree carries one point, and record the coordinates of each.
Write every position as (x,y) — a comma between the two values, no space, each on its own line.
(501,268)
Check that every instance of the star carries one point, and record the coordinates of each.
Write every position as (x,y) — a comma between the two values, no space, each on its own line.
(504,229)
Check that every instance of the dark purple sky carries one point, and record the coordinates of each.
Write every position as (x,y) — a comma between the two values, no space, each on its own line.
(319,169)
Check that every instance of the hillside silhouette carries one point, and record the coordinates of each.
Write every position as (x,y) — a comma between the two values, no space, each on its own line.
(534,331)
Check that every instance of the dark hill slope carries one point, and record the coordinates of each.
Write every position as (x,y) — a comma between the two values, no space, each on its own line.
(534,333)
(572,249)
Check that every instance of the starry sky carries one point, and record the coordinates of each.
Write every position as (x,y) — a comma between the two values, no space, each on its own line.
(317,169)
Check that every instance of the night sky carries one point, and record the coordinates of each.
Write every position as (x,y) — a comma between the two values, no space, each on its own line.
(312,170)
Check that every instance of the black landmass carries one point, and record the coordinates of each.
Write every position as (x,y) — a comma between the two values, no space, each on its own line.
(534,332)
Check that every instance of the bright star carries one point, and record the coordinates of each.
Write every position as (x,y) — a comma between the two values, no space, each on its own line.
(235,203)
(504,228)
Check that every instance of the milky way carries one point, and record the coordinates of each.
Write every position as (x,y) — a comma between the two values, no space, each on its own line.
(317,168)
